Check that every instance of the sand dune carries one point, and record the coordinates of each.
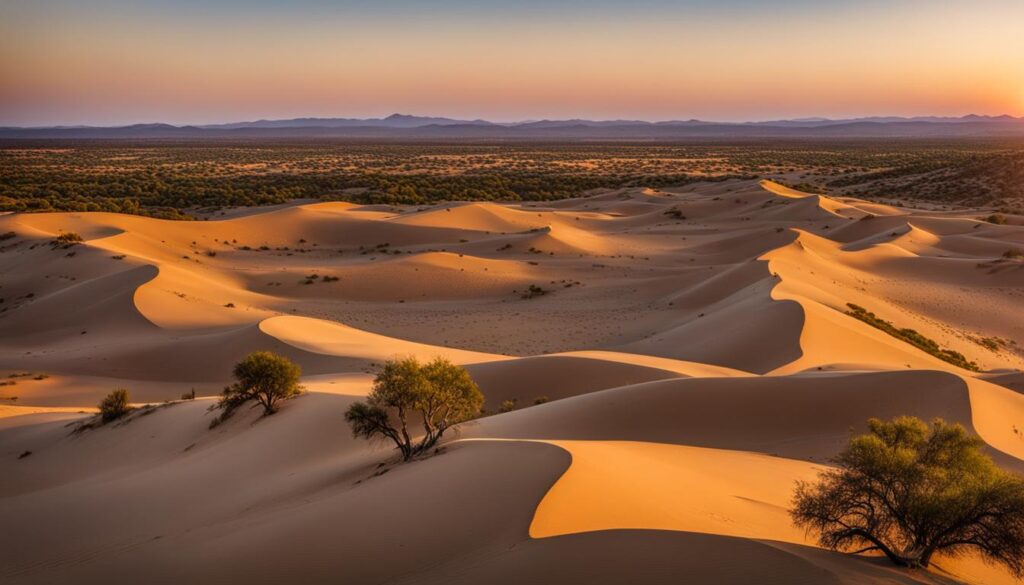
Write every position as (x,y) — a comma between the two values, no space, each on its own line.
(484,217)
(322,337)
(688,349)
(644,479)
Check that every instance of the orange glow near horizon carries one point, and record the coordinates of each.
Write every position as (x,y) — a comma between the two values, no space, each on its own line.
(911,61)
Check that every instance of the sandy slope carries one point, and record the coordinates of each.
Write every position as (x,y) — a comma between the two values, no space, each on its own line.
(692,345)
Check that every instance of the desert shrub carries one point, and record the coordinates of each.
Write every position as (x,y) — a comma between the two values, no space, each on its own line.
(1013,254)
(65,240)
(191,395)
(910,490)
(541,400)
(114,405)
(993,343)
(534,291)
(262,376)
(442,394)
(996,218)
(675,213)
(507,405)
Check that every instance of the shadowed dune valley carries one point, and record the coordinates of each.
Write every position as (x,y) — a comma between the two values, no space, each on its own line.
(646,376)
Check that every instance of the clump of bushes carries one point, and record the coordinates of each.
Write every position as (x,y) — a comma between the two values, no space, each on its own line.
(114,405)
(441,393)
(993,343)
(675,213)
(262,376)
(910,490)
(66,240)
(912,337)
(534,291)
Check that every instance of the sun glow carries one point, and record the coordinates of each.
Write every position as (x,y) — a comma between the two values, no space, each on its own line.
(130,63)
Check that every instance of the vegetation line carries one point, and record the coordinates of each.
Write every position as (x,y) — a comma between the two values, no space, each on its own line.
(912,337)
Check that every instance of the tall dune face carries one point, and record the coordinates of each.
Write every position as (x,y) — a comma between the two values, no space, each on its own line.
(676,360)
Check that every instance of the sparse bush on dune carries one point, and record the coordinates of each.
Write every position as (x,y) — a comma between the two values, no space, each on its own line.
(993,343)
(675,213)
(114,405)
(910,490)
(65,240)
(262,376)
(439,394)
(534,291)
(507,405)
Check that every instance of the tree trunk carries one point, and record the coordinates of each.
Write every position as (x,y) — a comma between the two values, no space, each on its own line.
(432,439)
(407,447)
(926,557)
(896,559)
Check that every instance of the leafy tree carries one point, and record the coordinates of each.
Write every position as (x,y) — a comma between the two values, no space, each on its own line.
(114,405)
(441,393)
(909,490)
(397,389)
(265,377)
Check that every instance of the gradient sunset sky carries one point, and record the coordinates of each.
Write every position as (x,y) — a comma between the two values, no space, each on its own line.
(191,61)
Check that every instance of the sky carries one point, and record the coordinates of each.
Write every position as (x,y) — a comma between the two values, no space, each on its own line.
(110,62)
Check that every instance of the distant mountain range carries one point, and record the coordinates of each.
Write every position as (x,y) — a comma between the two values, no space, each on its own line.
(406,127)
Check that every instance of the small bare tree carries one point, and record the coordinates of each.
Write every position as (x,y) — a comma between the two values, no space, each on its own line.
(910,490)
(441,393)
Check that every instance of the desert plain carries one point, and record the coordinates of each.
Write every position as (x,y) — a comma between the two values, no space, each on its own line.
(660,367)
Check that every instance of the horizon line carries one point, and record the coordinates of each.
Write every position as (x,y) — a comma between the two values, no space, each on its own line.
(513,122)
